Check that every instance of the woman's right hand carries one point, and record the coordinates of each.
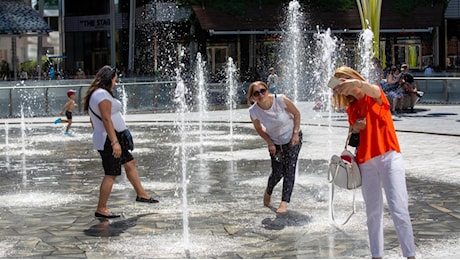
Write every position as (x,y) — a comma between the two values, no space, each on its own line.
(116,150)
(271,148)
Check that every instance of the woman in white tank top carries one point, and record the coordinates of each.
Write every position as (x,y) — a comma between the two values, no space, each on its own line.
(277,120)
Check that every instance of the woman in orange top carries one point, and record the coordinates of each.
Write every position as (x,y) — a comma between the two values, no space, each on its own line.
(378,156)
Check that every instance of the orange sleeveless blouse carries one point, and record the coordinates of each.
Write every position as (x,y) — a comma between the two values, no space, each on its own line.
(379,136)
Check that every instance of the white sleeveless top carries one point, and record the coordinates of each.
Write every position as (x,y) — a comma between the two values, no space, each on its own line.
(278,123)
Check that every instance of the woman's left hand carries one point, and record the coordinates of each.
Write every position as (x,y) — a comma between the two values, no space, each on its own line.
(359,125)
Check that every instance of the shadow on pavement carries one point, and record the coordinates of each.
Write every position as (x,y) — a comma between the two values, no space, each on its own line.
(107,228)
(290,218)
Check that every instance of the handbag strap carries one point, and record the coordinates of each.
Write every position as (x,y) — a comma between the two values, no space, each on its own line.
(348,137)
(331,207)
(94,113)
(332,176)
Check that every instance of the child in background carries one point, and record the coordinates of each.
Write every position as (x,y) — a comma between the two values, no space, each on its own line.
(68,107)
(272,81)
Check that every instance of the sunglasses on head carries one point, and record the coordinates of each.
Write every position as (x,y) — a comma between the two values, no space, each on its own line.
(261,91)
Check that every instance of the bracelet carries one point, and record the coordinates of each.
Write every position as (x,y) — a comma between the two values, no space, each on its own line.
(114,142)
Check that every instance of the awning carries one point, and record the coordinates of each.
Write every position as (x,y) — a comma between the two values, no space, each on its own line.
(267,19)
(17,18)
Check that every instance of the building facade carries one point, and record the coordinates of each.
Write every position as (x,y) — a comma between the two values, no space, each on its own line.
(150,37)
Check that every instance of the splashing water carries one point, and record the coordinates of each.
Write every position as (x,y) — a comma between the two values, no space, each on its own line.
(231,75)
(200,80)
(365,46)
(293,51)
(23,143)
(124,100)
(182,110)
(7,148)
(326,58)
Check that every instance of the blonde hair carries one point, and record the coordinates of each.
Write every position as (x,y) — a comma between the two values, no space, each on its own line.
(341,101)
(251,90)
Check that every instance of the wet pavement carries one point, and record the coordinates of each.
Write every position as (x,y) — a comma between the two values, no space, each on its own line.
(50,184)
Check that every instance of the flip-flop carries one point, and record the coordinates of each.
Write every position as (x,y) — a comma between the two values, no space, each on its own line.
(111,215)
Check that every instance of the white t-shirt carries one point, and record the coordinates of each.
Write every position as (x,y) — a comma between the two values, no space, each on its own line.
(278,123)
(99,133)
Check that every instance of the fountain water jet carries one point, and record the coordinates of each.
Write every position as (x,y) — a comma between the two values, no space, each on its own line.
(293,51)
(366,51)
(23,143)
(200,80)
(182,109)
(324,66)
(231,76)
(7,152)
(124,99)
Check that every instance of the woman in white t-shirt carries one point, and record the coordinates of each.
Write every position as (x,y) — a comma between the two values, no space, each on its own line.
(106,119)
(277,120)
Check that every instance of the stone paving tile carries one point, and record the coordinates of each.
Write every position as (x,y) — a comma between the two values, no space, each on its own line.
(47,199)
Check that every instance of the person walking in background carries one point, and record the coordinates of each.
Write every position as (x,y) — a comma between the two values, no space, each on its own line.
(378,156)
(107,122)
(272,81)
(68,107)
(277,120)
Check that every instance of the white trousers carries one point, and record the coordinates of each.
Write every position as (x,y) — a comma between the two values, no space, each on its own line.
(388,171)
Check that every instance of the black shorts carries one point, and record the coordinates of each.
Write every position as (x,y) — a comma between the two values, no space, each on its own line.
(68,114)
(112,165)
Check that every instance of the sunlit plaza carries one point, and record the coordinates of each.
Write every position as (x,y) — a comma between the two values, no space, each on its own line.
(197,152)
(50,188)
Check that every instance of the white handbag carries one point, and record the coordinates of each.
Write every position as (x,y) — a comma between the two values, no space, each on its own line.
(344,171)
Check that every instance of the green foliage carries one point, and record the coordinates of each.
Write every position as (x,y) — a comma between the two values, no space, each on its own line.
(30,65)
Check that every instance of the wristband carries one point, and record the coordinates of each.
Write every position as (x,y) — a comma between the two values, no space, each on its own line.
(114,142)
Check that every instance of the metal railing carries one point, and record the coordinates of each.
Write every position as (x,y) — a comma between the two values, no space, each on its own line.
(46,100)
(442,90)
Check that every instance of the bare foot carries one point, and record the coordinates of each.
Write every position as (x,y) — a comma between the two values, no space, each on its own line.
(266,199)
(282,208)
